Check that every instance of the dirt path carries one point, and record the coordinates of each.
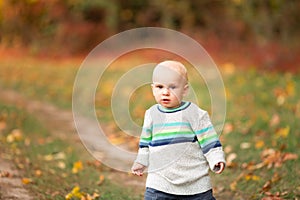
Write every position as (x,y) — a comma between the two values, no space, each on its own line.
(60,123)
(11,187)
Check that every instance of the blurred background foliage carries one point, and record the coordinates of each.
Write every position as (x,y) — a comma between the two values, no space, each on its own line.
(271,27)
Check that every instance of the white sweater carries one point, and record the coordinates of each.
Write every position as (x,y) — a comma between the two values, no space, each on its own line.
(179,146)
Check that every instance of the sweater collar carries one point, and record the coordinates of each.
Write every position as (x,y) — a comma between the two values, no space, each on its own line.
(183,106)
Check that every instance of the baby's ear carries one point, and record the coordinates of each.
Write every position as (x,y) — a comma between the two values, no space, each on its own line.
(186,90)
(152,88)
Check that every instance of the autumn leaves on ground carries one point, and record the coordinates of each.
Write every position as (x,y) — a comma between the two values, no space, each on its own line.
(260,135)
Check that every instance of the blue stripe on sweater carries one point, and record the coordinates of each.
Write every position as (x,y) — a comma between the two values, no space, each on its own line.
(210,146)
(172,141)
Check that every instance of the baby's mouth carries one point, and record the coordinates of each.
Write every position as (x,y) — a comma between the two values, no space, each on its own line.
(165,100)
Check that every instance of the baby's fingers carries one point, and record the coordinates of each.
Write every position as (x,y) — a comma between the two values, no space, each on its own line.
(138,173)
(219,168)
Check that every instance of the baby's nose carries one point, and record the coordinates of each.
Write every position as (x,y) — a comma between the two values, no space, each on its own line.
(166,91)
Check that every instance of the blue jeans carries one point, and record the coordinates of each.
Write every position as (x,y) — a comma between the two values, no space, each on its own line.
(152,194)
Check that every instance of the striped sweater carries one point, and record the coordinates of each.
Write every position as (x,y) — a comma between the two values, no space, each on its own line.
(179,146)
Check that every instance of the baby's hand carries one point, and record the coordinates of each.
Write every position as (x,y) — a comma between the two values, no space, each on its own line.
(138,169)
(218,169)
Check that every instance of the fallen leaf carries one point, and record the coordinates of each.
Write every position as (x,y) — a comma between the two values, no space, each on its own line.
(91,197)
(280,100)
(15,136)
(48,157)
(228,128)
(61,165)
(245,145)
(275,120)
(275,178)
(290,88)
(267,186)
(233,185)
(290,156)
(75,193)
(77,166)
(272,198)
(5,174)
(270,157)
(259,144)
(59,156)
(227,149)
(26,181)
(2,125)
(282,132)
(230,158)
(38,172)
(101,180)
(249,177)
(55,156)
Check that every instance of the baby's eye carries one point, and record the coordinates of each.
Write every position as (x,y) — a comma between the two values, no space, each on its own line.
(172,87)
(159,86)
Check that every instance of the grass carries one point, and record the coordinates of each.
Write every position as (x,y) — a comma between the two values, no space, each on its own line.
(263,112)
(261,129)
(51,168)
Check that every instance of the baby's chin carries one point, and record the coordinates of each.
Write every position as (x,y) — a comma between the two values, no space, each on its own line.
(169,105)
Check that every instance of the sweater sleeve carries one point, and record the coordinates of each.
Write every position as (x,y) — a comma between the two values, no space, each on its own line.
(145,140)
(209,141)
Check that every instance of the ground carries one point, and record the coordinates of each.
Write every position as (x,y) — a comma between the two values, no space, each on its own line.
(58,122)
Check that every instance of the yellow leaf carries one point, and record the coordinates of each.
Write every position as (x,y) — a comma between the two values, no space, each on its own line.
(259,144)
(10,138)
(252,177)
(290,88)
(18,135)
(233,186)
(283,132)
(255,178)
(26,181)
(248,177)
(77,166)
(14,136)
(74,193)
(101,180)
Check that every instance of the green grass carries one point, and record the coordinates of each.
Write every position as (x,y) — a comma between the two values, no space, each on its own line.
(254,98)
(48,161)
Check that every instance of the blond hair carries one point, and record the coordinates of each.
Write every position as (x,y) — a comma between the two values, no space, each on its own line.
(176,66)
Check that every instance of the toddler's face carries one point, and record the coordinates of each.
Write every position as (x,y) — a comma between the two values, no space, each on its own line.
(168,87)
